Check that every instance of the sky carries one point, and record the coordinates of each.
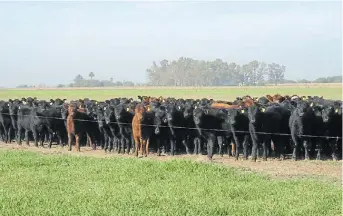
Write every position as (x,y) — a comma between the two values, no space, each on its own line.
(52,42)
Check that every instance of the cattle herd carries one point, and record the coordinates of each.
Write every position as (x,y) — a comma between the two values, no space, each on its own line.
(268,126)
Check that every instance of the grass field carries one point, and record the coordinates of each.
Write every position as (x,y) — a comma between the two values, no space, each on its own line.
(330,91)
(36,184)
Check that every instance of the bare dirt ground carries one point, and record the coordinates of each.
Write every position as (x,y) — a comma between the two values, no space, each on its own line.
(287,169)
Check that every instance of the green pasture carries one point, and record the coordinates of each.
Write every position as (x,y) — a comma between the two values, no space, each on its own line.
(37,184)
(218,93)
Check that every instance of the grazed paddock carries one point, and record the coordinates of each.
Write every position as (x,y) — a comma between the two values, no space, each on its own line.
(329,91)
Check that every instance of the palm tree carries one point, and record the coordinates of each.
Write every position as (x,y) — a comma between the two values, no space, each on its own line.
(91,75)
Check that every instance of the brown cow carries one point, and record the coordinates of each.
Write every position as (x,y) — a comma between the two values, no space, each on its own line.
(270,98)
(78,123)
(248,102)
(278,98)
(223,106)
(141,142)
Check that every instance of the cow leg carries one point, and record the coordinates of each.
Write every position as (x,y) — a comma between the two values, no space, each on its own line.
(110,143)
(195,141)
(5,134)
(115,144)
(307,146)
(121,144)
(199,145)
(35,137)
(132,145)
(266,144)
(9,135)
(59,136)
(158,146)
(69,141)
(106,142)
(184,142)
(128,145)
(233,149)
(90,142)
(42,135)
(319,147)
(50,139)
(295,147)
(254,149)
(245,146)
(147,147)
(137,143)
(172,147)
(333,146)
(27,137)
(210,144)
(220,145)
(19,136)
(237,145)
(141,146)
(77,142)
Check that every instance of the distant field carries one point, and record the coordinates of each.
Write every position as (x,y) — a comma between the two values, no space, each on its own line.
(37,184)
(330,91)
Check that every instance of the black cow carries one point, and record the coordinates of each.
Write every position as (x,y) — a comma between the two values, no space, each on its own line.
(332,119)
(192,133)
(124,113)
(211,124)
(239,121)
(112,123)
(161,128)
(30,120)
(267,124)
(5,121)
(302,128)
(177,126)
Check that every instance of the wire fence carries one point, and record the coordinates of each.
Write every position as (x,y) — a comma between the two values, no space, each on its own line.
(183,127)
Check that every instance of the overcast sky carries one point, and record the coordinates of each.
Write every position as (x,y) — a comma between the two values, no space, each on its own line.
(52,42)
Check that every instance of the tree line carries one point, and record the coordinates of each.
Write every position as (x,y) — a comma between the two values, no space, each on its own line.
(192,72)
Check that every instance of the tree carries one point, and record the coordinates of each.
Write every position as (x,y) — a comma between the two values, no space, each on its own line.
(78,80)
(253,66)
(276,73)
(260,72)
(91,75)
(191,72)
